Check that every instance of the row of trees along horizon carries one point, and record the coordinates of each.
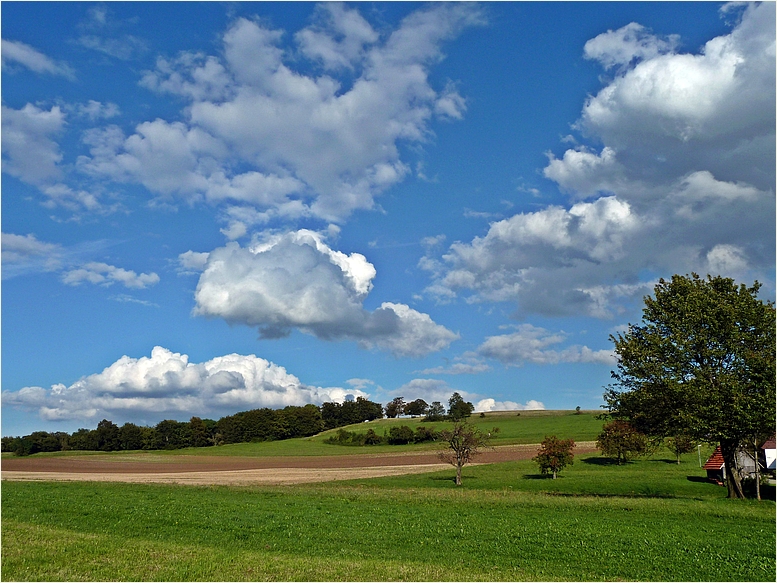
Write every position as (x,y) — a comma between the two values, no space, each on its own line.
(255,425)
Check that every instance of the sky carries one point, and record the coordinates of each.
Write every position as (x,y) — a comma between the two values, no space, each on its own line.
(214,207)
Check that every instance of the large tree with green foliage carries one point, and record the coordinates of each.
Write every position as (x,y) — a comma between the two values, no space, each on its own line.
(701,364)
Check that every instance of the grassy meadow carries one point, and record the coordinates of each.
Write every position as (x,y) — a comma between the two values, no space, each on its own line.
(648,520)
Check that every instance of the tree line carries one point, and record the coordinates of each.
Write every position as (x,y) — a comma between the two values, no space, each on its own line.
(255,425)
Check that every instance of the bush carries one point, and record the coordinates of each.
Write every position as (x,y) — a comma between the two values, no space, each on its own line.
(400,435)
(621,441)
(554,455)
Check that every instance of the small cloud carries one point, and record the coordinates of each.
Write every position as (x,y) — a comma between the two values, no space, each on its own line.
(470,214)
(191,262)
(18,53)
(106,275)
(94,110)
(126,299)
(486,405)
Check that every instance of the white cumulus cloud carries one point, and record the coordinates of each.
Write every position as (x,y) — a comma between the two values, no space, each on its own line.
(295,280)
(307,145)
(683,180)
(167,384)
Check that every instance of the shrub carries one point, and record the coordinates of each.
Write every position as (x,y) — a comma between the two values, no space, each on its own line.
(621,441)
(554,455)
(400,435)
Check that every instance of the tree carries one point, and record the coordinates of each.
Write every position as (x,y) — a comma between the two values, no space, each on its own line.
(436,412)
(130,437)
(108,436)
(198,432)
(701,363)
(680,444)
(416,408)
(458,408)
(395,407)
(463,443)
(621,441)
(554,455)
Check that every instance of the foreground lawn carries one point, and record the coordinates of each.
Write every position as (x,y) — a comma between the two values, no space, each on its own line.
(503,524)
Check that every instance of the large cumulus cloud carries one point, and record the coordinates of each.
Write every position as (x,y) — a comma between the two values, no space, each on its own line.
(295,280)
(167,385)
(260,135)
(677,175)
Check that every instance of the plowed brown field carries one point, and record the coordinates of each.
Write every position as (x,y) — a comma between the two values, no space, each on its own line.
(213,470)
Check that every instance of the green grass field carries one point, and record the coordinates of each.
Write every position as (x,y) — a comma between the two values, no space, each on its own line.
(646,521)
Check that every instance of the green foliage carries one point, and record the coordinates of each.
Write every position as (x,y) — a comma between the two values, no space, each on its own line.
(621,441)
(458,408)
(395,407)
(701,364)
(397,435)
(554,455)
(416,408)
(680,444)
(339,415)
(401,435)
(436,412)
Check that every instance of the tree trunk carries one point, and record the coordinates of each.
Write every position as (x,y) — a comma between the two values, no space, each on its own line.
(728,447)
(554,474)
(458,475)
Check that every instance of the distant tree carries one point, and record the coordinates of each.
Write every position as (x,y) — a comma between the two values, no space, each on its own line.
(395,407)
(199,436)
(416,408)
(578,411)
(303,421)
(9,444)
(621,441)
(108,436)
(171,434)
(436,412)
(368,410)
(554,455)
(701,363)
(37,442)
(458,408)
(680,444)
(84,440)
(463,443)
(130,437)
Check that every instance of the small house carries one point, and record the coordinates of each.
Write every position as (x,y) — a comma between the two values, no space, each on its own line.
(716,467)
(767,456)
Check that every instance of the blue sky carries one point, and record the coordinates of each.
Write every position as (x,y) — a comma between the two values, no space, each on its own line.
(209,208)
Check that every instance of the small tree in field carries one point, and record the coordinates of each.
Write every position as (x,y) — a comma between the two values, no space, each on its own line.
(554,455)
(680,444)
(463,443)
(619,440)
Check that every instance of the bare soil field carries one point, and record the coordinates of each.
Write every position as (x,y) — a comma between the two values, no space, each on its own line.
(217,470)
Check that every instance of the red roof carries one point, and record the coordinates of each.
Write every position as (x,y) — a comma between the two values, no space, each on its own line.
(769,444)
(716,460)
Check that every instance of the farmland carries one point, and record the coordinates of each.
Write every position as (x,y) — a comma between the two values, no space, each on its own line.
(647,520)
